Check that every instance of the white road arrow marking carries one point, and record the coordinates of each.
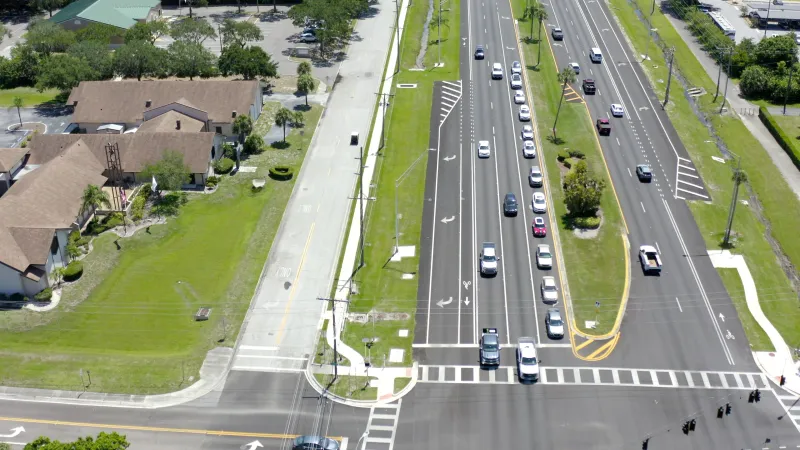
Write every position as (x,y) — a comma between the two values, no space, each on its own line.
(643,108)
(448,219)
(449,158)
(729,335)
(466,301)
(14,432)
(721,317)
(253,445)
(509,48)
(441,302)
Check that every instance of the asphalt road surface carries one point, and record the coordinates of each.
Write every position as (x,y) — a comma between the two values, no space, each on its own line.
(268,407)
(465,210)
(684,317)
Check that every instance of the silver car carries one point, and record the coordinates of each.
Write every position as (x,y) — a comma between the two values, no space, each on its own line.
(519,97)
(544,259)
(524,113)
(528,149)
(549,290)
(527,133)
(516,67)
(516,81)
(535,178)
(554,323)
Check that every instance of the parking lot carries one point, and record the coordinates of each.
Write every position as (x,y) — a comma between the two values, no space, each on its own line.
(731,11)
(280,37)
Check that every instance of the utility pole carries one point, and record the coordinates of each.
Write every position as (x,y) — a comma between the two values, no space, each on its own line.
(384,102)
(727,78)
(333,302)
(669,77)
(732,210)
(719,78)
(439,26)
(361,204)
(788,89)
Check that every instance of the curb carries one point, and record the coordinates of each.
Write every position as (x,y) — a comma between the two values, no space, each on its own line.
(312,380)
(772,379)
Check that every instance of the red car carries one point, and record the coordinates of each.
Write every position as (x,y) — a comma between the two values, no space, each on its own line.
(539,229)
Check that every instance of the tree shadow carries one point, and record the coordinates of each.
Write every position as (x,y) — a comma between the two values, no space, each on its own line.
(280,145)
(272,16)
(302,107)
(556,140)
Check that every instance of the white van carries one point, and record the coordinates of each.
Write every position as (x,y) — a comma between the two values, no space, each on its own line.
(596,55)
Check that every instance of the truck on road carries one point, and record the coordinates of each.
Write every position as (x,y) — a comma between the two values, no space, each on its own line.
(648,255)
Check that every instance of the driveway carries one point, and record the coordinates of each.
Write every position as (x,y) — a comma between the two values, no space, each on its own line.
(56,119)
(17,24)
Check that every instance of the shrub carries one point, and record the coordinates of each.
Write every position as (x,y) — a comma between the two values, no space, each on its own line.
(212,181)
(145,192)
(281,173)
(24,144)
(137,208)
(44,296)
(83,241)
(567,163)
(590,223)
(562,155)
(73,251)
(74,236)
(228,150)
(110,221)
(253,145)
(577,154)
(73,271)
(224,165)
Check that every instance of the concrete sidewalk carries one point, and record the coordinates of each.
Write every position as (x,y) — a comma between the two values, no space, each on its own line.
(745,110)
(779,362)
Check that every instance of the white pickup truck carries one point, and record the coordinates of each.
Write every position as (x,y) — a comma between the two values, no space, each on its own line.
(648,255)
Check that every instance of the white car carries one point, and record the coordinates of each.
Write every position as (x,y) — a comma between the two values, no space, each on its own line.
(527,133)
(516,67)
(483,149)
(538,203)
(617,110)
(524,113)
(497,71)
(519,97)
(549,290)
(575,67)
(544,259)
(527,362)
(308,37)
(528,149)
(516,81)
(535,178)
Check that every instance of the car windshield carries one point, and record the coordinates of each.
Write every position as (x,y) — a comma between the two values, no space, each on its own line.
(528,360)
(489,347)
(544,254)
(489,258)
(511,201)
(555,322)
(646,169)
(549,287)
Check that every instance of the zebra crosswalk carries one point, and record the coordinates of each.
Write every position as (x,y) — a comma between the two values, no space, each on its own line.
(600,376)
(790,404)
(382,426)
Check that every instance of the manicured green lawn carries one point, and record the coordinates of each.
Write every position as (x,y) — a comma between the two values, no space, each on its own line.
(407,132)
(775,200)
(30,96)
(129,320)
(595,267)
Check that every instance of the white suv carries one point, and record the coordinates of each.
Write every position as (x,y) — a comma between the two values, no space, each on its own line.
(497,71)
(483,149)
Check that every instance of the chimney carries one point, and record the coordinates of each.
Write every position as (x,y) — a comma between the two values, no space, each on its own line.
(148,103)
(233,115)
(178,125)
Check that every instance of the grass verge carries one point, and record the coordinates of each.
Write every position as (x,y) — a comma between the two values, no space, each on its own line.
(380,284)
(128,321)
(352,387)
(400,383)
(30,96)
(773,211)
(595,267)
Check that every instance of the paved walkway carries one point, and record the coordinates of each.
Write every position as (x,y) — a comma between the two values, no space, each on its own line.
(747,111)
(779,362)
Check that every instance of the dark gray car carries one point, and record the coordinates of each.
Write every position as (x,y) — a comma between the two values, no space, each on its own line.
(490,347)
(510,207)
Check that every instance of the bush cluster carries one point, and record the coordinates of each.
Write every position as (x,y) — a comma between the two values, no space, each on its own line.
(212,181)
(224,165)
(44,296)
(73,271)
(281,173)
(789,144)
(137,208)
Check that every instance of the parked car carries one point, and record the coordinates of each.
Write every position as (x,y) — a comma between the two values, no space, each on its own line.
(308,37)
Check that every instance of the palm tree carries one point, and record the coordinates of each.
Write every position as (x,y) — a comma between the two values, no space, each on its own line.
(18,104)
(282,118)
(529,13)
(541,14)
(93,198)
(566,77)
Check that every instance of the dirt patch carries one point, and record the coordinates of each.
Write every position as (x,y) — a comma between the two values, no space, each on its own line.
(378,316)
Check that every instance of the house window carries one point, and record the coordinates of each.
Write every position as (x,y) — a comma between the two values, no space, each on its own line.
(219,130)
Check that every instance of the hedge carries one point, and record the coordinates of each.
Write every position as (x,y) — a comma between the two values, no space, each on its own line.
(281,173)
(577,154)
(212,181)
(73,271)
(224,165)
(786,142)
(44,296)
(562,155)
(589,223)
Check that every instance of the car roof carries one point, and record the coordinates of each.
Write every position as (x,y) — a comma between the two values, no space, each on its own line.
(603,120)
(554,313)
(644,166)
(544,247)
(511,195)
(495,65)
(538,219)
(527,349)
(588,80)
(483,142)
(549,281)
(527,127)
(557,29)
(490,338)
(536,169)
(538,194)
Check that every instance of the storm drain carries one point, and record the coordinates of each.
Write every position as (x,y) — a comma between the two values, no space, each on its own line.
(407,85)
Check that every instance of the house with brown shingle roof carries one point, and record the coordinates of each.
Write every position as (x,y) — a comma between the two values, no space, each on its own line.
(129,104)
(37,214)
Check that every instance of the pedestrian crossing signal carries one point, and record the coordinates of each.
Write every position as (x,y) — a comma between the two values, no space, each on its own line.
(686,428)
(758,396)
(720,412)
(645,443)
(692,424)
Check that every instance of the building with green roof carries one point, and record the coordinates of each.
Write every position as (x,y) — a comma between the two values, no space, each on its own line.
(118,13)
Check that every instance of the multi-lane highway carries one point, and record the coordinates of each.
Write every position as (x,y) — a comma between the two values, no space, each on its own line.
(465,208)
(682,318)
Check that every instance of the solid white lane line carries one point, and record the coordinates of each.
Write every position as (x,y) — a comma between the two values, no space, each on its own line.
(502,248)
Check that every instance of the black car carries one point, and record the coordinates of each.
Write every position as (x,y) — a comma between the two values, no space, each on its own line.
(644,172)
(558,35)
(314,443)
(510,207)
(479,54)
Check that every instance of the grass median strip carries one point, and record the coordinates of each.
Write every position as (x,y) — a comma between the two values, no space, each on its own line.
(382,287)
(772,209)
(595,264)
(127,320)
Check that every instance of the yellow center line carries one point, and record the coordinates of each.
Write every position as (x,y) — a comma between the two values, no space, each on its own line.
(584,344)
(154,429)
(611,343)
(288,308)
